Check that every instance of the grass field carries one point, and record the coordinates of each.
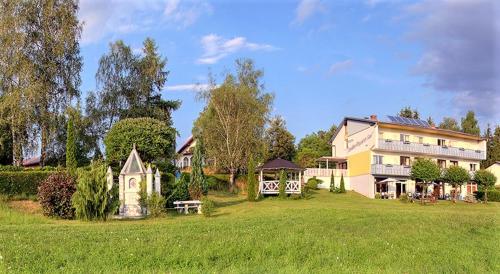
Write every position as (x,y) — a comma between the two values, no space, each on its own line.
(327,233)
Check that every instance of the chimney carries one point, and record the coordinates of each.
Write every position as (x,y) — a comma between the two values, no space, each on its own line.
(373,117)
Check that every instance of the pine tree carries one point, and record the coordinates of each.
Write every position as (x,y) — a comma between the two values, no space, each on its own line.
(92,199)
(71,162)
(251,182)
(332,182)
(198,183)
(342,185)
(470,124)
(282,186)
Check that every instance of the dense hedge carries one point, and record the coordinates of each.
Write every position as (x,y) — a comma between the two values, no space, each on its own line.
(29,169)
(493,195)
(21,183)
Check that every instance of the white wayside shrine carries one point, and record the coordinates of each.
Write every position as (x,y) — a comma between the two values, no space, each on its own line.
(131,175)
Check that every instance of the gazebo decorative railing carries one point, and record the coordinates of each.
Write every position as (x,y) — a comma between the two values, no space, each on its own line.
(272,187)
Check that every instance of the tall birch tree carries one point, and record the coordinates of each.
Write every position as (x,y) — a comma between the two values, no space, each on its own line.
(232,123)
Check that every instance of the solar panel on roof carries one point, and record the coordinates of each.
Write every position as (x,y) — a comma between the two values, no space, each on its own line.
(408,121)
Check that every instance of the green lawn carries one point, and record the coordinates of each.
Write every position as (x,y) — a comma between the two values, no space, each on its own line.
(325,234)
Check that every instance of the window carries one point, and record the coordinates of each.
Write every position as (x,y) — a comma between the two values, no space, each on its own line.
(472,167)
(404,138)
(442,163)
(378,159)
(442,142)
(185,162)
(420,139)
(454,163)
(404,160)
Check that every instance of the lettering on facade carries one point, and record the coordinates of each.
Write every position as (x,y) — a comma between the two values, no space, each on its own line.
(353,145)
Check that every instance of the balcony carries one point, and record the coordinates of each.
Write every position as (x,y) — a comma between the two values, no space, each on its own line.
(324,172)
(391,170)
(428,149)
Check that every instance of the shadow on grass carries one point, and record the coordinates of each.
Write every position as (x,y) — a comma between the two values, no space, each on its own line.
(229,203)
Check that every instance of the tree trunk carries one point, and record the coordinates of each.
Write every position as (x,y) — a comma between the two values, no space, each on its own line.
(17,148)
(232,178)
(43,143)
(485,196)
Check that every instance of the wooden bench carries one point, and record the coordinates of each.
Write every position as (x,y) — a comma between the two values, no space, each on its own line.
(184,206)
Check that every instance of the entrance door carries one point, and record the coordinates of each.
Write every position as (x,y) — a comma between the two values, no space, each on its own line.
(398,189)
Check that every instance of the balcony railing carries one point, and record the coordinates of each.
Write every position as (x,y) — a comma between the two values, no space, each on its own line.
(394,170)
(428,149)
(399,170)
(324,172)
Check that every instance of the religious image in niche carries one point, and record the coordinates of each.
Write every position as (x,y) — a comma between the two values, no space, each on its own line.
(132,183)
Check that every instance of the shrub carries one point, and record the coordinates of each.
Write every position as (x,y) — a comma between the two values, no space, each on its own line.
(251,181)
(92,199)
(342,185)
(54,194)
(282,185)
(493,195)
(207,207)
(22,183)
(180,190)
(378,196)
(155,140)
(312,183)
(156,205)
(404,198)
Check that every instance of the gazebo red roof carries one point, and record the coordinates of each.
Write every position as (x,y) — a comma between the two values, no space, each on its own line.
(278,164)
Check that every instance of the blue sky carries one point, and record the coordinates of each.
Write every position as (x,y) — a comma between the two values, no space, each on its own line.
(323,60)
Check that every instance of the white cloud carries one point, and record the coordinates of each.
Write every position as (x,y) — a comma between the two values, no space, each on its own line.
(113,17)
(340,66)
(216,47)
(188,87)
(460,53)
(306,9)
(184,15)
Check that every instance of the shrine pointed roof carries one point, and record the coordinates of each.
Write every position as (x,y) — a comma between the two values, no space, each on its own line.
(134,164)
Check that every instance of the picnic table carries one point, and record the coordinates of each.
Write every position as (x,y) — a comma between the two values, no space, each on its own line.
(184,206)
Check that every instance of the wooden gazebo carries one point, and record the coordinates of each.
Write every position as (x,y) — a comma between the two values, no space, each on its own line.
(269,177)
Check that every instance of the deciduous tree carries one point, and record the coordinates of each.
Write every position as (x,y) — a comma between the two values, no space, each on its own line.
(313,146)
(456,176)
(450,124)
(232,122)
(485,180)
(408,112)
(426,171)
(154,139)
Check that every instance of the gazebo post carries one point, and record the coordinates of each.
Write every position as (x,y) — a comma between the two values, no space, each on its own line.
(300,180)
